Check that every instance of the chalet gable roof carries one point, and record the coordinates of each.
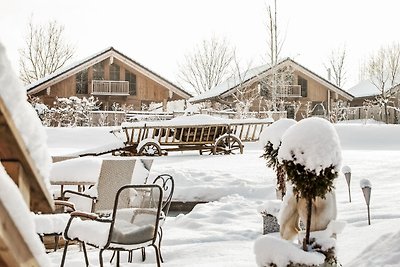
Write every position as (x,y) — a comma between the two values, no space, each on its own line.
(229,86)
(367,88)
(76,67)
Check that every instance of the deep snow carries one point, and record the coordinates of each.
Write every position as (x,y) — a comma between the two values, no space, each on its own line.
(223,231)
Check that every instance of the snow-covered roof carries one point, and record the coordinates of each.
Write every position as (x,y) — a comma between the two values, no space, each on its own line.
(230,84)
(77,66)
(366,88)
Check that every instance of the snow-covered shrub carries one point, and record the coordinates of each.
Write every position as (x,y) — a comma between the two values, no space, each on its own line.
(311,154)
(66,112)
(271,141)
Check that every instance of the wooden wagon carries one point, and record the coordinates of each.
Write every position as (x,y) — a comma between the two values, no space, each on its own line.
(215,138)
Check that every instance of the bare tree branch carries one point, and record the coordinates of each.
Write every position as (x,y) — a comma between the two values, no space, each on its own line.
(336,64)
(383,70)
(45,51)
(208,66)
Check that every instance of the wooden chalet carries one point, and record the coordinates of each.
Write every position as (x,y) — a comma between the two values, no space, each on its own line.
(366,90)
(305,87)
(110,76)
(14,156)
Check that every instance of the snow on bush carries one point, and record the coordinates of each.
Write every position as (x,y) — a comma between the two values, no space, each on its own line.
(274,132)
(313,143)
(271,140)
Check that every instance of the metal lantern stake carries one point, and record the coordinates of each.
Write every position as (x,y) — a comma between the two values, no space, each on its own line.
(347,174)
(365,185)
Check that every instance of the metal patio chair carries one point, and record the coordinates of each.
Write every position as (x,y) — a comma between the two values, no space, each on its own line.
(133,223)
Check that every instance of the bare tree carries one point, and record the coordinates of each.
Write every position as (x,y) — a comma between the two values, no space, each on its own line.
(274,42)
(45,51)
(336,66)
(246,92)
(274,82)
(208,66)
(383,70)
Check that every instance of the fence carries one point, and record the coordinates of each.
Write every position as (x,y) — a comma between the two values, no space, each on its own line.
(375,112)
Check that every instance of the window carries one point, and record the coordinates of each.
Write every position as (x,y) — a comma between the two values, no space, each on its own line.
(263,89)
(303,83)
(114,72)
(318,109)
(98,71)
(82,82)
(131,78)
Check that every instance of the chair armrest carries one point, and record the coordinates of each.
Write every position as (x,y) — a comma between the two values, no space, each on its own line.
(77,193)
(90,216)
(65,203)
(85,215)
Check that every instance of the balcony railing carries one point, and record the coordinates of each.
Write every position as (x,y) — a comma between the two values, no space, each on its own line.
(289,91)
(100,87)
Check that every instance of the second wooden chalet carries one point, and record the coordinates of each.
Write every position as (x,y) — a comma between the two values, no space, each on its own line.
(110,76)
(304,87)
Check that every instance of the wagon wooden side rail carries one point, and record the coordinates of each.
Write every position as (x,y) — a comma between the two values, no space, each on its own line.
(157,140)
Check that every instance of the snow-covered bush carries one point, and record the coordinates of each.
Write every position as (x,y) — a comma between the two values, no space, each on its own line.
(311,154)
(66,112)
(270,138)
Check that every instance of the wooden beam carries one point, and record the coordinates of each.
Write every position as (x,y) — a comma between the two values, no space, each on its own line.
(18,175)
(13,148)
(14,251)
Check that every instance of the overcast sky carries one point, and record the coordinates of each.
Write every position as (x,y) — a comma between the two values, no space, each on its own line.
(158,33)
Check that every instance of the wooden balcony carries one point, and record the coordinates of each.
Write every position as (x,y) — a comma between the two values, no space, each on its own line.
(101,87)
(289,91)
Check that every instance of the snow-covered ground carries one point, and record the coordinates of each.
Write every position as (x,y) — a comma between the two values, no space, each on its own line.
(223,231)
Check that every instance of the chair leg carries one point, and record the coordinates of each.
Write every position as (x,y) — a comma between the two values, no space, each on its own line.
(85,253)
(130,256)
(56,239)
(118,258)
(112,257)
(157,255)
(101,257)
(143,254)
(160,235)
(64,253)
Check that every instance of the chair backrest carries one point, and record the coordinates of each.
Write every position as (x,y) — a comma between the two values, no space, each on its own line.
(142,170)
(167,184)
(136,224)
(114,174)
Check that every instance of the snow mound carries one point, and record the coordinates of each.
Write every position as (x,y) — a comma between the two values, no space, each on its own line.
(282,252)
(274,132)
(313,143)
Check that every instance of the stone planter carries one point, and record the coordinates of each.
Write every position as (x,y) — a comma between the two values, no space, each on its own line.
(270,224)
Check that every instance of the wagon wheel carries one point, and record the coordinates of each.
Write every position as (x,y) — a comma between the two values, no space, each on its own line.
(126,151)
(228,144)
(150,149)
